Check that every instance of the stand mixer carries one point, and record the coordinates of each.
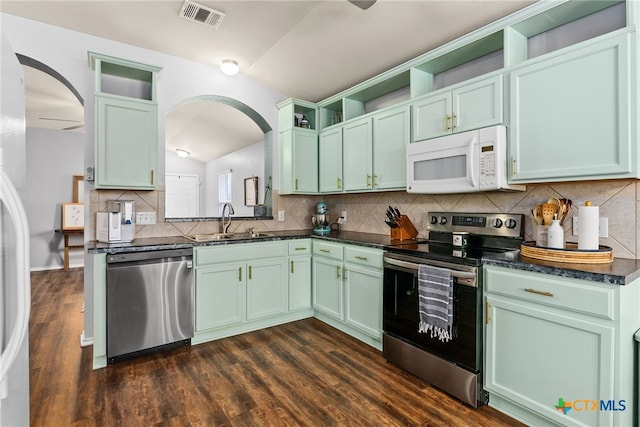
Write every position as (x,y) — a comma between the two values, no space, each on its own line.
(321,220)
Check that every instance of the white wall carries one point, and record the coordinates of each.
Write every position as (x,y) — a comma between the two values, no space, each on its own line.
(66,52)
(244,163)
(53,157)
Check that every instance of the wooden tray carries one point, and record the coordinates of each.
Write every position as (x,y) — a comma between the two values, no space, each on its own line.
(570,254)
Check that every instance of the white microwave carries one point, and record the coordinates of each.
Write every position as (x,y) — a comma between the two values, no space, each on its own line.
(460,163)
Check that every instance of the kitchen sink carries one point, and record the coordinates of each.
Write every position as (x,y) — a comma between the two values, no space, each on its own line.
(228,236)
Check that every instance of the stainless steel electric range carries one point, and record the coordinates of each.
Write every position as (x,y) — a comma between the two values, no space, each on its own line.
(457,242)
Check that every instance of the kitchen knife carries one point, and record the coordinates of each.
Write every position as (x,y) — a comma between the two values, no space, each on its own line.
(397,212)
(390,216)
(390,224)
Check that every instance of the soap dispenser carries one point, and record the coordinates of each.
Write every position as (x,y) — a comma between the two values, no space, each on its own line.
(555,236)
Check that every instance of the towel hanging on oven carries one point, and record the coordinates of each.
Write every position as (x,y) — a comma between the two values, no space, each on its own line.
(435,301)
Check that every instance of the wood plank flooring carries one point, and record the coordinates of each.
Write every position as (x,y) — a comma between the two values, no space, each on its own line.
(301,374)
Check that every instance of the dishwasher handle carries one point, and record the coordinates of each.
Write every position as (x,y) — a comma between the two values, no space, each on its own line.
(151,256)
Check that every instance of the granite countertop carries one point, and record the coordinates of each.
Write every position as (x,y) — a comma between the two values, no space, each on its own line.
(621,271)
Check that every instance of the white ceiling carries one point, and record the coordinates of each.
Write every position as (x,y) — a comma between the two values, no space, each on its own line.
(304,48)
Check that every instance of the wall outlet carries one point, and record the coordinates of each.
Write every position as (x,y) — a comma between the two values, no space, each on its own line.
(603,228)
(280,216)
(344,216)
(145,218)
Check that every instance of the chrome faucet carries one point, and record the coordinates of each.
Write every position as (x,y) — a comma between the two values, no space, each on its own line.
(226,222)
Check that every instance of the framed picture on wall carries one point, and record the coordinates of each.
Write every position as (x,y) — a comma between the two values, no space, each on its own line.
(251,191)
(72,216)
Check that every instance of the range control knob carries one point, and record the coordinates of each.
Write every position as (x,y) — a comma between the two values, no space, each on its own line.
(434,219)
(511,223)
(497,222)
(443,220)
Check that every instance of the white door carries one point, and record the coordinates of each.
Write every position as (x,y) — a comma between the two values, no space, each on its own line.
(15,292)
(182,196)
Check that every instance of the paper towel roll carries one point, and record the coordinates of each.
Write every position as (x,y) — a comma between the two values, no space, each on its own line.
(588,227)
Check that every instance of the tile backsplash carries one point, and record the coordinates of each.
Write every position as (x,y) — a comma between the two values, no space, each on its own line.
(619,201)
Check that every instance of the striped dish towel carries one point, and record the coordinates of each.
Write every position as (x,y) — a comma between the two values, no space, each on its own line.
(435,301)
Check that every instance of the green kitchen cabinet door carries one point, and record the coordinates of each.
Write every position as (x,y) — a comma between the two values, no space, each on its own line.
(391,135)
(330,160)
(465,107)
(219,296)
(477,105)
(572,114)
(126,143)
(327,287)
(357,158)
(535,357)
(298,161)
(266,288)
(432,116)
(363,299)
(299,283)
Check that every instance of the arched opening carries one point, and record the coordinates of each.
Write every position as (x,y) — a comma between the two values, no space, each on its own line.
(220,136)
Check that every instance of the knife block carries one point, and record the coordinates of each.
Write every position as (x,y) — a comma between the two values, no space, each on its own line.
(405,231)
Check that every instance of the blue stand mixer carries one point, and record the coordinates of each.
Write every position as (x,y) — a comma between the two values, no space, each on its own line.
(321,220)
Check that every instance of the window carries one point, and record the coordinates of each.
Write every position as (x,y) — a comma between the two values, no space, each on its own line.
(224,189)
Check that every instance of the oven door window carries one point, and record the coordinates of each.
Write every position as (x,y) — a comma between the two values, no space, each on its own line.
(401,319)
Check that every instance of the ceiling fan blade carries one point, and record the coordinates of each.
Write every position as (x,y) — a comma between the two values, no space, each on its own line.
(59,120)
(362,4)
(73,127)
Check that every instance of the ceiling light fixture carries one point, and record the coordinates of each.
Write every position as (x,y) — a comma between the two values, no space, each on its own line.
(229,67)
(183,153)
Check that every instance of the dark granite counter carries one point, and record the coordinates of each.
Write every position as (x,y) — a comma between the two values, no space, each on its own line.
(621,271)
(177,242)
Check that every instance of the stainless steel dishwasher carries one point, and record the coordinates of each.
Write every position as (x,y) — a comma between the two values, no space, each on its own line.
(150,302)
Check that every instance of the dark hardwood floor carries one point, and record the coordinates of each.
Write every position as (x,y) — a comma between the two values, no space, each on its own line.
(302,373)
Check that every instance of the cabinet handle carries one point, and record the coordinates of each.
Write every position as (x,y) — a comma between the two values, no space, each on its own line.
(153,177)
(513,166)
(344,273)
(537,292)
(446,122)
(291,266)
(375,180)
(368,180)
(487,313)
(240,274)
(296,184)
(250,271)
(326,251)
(304,248)
(338,183)
(337,271)
(361,258)
(453,121)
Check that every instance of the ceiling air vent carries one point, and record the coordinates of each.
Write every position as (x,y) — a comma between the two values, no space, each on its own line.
(202,14)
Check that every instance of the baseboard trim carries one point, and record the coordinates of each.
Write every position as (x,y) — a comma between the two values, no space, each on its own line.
(84,341)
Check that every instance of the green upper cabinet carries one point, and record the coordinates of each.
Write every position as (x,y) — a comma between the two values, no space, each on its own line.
(298,141)
(126,124)
(330,160)
(298,161)
(391,135)
(459,109)
(572,115)
(357,152)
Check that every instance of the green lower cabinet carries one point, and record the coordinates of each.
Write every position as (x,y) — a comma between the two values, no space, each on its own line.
(327,287)
(245,286)
(363,299)
(554,341)
(267,290)
(219,296)
(347,289)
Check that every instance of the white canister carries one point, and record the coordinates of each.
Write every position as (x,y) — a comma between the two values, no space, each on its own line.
(588,227)
(555,235)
